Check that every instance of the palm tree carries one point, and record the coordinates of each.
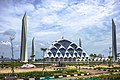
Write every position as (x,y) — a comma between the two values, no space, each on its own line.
(118,62)
(44,50)
(110,61)
(2,61)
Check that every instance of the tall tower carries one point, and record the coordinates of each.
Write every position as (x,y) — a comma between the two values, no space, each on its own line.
(114,45)
(33,51)
(80,42)
(24,46)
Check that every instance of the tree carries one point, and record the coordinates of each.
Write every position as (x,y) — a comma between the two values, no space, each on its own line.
(118,62)
(93,56)
(2,61)
(44,50)
(110,61)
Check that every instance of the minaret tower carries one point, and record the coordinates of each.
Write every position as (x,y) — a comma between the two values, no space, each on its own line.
(114,43)
(80,42)
(33,51)
(24,46)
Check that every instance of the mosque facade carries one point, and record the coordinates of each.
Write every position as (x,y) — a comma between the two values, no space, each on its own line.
(64,50)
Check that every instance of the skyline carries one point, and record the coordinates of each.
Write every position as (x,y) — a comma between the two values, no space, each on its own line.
(48,21)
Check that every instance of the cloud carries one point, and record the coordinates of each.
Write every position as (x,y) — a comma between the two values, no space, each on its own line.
(6,43)
(54,5)
(46,35)
(48,20)
(42,44)
(10,32)
(27,8)
(5,48)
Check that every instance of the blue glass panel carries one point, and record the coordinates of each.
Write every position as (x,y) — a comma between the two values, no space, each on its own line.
(74,46)
(62,49)
(65,43)
(58,54)
(49,53)
(84,54)
(57,45)
(75,54)
(71,51)
(67,54)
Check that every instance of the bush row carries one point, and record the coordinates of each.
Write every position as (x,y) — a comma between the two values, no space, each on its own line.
(114,68)
(110,77)
(103,77)
(41,74)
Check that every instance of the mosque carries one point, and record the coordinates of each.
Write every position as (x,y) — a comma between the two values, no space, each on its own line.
(64,50)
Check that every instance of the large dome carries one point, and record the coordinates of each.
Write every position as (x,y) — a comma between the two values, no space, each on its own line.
(65,49)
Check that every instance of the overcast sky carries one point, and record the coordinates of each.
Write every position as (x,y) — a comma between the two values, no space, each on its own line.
(49,20)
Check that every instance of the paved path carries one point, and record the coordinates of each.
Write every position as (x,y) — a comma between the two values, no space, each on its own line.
(94,72)
(18,70)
